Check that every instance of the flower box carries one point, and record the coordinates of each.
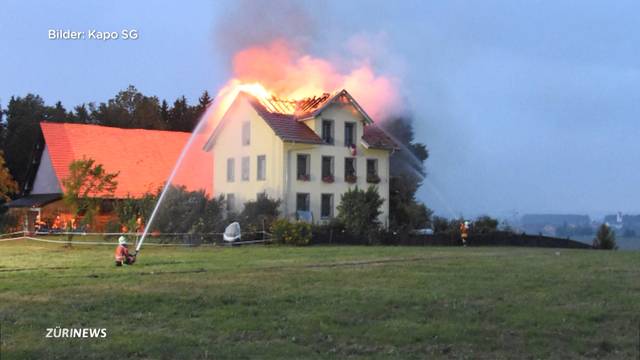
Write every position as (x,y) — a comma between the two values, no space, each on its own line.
(328,179)
(373,178)
(352,179)
(304,177)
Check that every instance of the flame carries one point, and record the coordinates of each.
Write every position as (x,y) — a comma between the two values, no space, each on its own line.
(280,70)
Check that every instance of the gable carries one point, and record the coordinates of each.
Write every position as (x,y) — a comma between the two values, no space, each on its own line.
(46,181)
(341,98)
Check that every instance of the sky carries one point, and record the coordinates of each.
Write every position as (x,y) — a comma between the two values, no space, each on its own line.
(525,106)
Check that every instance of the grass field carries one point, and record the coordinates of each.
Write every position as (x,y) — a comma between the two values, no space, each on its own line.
(321,302)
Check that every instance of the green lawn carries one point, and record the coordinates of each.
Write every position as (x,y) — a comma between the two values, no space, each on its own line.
(321,302)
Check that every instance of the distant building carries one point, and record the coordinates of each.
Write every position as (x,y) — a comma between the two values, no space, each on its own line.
(623,222)
(549,224)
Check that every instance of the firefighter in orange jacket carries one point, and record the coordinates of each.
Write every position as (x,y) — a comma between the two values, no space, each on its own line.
(464,232)
(122,253)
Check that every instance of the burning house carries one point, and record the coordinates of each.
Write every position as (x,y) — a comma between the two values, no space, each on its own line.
(306,153)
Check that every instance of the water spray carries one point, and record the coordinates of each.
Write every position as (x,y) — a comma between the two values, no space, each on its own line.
(174,171)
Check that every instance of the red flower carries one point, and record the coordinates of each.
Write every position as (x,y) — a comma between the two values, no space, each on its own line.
(328,178)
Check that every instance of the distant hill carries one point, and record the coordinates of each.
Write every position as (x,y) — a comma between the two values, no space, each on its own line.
(555,219)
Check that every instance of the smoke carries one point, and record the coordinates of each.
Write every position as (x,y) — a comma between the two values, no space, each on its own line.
(271,44)
(249,23)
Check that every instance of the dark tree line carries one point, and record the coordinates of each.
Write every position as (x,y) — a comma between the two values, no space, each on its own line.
(20,130)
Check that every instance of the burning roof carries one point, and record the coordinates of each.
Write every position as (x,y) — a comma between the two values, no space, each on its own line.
(284,116)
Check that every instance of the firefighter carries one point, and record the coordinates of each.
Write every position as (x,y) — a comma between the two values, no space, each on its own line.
(39,224)
(122,255)
(139,225)
(57,223)
(464,232)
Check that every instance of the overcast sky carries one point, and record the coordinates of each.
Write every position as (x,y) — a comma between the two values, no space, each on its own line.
(527,106)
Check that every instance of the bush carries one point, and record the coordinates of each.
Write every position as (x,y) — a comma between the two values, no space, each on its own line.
(485,225)
(605,238)
(184,211)
(291,233)
(9,222)
(128,210)
(359,211)
(258,214)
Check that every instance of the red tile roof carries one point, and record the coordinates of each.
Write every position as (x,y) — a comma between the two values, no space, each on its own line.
(144,158)
(284,125)
(377,138)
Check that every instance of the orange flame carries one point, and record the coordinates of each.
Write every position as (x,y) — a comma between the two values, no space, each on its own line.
(279,69)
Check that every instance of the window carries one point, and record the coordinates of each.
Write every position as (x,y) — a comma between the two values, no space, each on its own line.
(326,206)
(231,202)
(327,168)
(327,131)
(231,169)
(349,134)
(302,202)
(246,133)
(245,168)
(372,171)
(350,169)
(262,167)
(303,167)
(372,166)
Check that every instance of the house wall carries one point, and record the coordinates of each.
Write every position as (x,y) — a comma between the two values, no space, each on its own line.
(339,114)
(46,181)
(263,141)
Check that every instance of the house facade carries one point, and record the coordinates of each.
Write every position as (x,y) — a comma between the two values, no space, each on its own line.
(305,153)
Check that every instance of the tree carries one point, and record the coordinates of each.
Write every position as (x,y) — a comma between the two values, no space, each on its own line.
(440,225)
(22,133)
(605,238)
(407,173)
(485,224)
(82,115)
(130,109)
(259,213)
(58,113)
(86,186)
(8,186)
(359,210)
(164,114)
(182,117)
(203,102)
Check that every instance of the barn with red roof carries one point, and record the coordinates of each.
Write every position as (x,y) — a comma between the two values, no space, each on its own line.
(143,159)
